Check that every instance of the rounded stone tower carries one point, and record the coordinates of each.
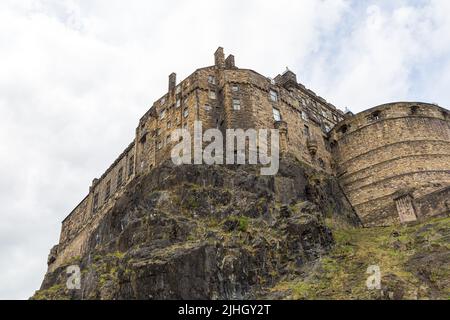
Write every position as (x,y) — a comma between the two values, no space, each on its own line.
(390,158)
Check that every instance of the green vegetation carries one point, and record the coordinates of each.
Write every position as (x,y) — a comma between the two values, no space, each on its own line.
(396,250)
(55,292)
(243,223)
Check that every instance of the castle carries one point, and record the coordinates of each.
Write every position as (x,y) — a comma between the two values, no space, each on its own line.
(392,161)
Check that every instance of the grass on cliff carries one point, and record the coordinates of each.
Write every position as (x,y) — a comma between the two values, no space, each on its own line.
(343,273)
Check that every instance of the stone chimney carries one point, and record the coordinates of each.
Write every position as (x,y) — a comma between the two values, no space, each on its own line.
(229,62)
(288,79)
(172,81)
(219,58)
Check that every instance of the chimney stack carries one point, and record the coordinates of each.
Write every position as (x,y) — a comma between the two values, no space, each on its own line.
(229,62)
(172,81)
(219,58)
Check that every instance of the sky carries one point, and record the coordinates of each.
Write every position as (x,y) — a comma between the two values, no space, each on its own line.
(76,76)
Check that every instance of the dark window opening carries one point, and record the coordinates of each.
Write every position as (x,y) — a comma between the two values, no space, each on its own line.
(95,205)
(344,129)
(108,190)
(414,110)
(131,166)
(120,178)
(375,116)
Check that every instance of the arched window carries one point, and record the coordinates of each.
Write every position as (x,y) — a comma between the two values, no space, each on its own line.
(343,129)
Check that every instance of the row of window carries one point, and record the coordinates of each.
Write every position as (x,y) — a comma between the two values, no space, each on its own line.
(120,181)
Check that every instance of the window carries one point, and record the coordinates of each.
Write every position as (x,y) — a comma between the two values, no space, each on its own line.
(326,127)
(236,104)
(276,114)
(306,131)
(212,80)
(119,178)
(131,166)
(163,101)
(273,96)
(212,95)
(108,190)
(159,145)
(178,103)
(304,115)
(178,90)
(168,139)
(235,88)
(375,116)
(414,110)
(162,114)
(303,102)
(207,107)
(169,124)
(185,112)
(344,129)
(95,205)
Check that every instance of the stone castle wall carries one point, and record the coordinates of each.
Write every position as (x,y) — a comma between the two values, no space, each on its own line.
(374,158)
(394,147)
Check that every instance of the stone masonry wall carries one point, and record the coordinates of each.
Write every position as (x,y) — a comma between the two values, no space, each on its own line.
(390,148)
(374,154)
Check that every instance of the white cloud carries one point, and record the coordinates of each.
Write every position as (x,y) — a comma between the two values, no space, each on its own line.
(75,76)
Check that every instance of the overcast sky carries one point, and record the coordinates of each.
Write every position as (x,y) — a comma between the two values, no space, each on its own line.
(76,76)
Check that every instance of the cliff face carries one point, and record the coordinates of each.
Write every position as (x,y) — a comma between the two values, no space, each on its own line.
(206,232)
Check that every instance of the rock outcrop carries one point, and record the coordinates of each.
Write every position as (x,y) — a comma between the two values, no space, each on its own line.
(206,232)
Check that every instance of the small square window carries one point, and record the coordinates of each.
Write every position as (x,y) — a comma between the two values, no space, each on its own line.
(163,101)
(211,79)
(169,124)
(274,96)
(162,114)
(185,112)
(178,103)
(178,90)
(236,104)
(212,95)
(235,88)
(276,114)
(207,107)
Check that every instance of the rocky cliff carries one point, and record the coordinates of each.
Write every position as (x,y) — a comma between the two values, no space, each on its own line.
(206,232)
